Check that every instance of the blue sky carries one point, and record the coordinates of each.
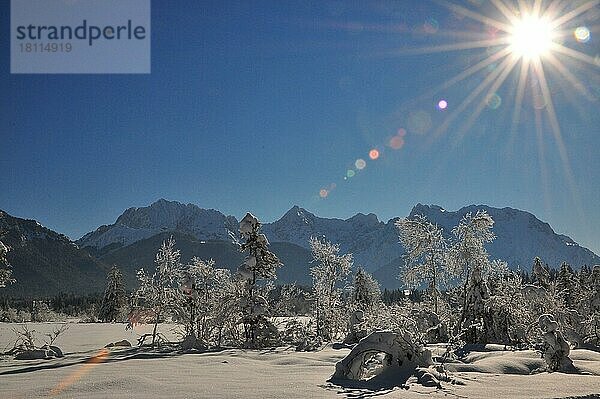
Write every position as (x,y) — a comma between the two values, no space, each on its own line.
(261,105)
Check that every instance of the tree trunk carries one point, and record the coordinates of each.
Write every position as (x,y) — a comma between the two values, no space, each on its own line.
(464,309)
(155,328)
(434,270)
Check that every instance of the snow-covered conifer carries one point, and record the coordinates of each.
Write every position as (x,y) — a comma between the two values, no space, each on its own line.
(473,321)
(260,264)
(540,273)
(425,254)
(329,274)
(365,291)
(114,298)
(566,286)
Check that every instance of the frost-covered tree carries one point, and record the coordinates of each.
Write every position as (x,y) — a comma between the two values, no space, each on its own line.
(204,291)
(365,291)
(329,273)
(424,259)
(590,306)
(158,292)
(290,300)
(468,258)
(468,251)
(365,304)
(114,299)
(5,271)
(509,313)
(260,264)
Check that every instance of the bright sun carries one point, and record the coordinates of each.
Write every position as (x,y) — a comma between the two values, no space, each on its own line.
(531,37)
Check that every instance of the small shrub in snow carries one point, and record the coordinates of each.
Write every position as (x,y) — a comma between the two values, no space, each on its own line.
(301,334)
(12,315)
(365,299)
(41,312)
(26,345)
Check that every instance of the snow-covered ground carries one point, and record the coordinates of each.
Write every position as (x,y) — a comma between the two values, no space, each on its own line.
(235,373)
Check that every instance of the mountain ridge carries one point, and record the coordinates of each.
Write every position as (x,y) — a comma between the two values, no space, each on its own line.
(47,262)
(374,243)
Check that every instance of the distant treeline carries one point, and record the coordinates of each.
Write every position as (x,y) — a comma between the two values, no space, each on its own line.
(67,304)
(74,305)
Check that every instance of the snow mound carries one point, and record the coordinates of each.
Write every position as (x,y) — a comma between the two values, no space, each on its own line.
(521,362)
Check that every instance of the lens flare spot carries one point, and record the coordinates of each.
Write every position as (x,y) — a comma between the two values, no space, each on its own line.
(323,193)
(442,104)
(401,132)
(350,173)
(494,101)
(396,142)
(360,164)
(582,34)
(374,154)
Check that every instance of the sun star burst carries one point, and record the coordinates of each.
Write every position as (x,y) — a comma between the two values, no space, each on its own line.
(531,37)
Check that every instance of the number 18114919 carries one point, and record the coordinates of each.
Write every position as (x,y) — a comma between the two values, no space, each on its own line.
(46,47)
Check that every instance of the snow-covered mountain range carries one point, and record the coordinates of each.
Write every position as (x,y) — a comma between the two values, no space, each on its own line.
(136,224)
(519,235)
(45,262)
(374,243)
